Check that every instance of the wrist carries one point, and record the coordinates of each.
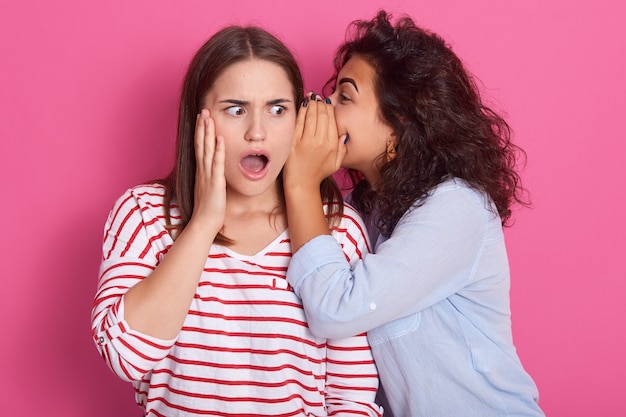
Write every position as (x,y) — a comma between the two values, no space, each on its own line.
(302,189)
(203,228)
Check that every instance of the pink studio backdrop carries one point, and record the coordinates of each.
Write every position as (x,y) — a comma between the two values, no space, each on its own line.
(88,98)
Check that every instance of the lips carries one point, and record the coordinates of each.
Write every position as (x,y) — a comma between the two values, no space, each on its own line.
(254,165)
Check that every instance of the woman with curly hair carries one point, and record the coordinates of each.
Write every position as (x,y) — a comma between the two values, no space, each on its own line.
(434,175)
(193,306)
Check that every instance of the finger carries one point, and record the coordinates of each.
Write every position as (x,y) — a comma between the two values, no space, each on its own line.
(310,121)
(297,134)
(332,122)
(219,158)
(339,142)
(209,140)
(199,138)
(322,127)
(342,150)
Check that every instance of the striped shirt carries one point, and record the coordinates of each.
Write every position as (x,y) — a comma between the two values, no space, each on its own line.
(245,348)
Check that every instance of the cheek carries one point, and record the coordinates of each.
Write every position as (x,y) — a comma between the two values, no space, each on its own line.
(280,139)
(286,139)
(351,119)
(222,128)
(284,131)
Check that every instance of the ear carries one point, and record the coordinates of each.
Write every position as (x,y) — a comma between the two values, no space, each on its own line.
(391,148)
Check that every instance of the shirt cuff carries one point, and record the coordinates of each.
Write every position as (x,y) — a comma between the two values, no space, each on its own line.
(137,352)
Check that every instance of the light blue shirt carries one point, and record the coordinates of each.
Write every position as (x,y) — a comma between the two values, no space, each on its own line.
(434,301)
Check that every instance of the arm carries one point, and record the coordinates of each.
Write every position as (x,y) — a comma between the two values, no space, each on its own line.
(430,256)
(315,155)
(158,305)
(142,302)
(129,257)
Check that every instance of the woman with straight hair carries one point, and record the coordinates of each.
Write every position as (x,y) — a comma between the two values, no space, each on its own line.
(193,306)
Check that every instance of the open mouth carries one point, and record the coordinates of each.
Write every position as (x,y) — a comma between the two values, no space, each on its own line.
(254,163)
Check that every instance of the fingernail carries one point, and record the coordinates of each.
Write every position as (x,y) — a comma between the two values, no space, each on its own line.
(318,97)
(327,100)
(346,139)
(305,102)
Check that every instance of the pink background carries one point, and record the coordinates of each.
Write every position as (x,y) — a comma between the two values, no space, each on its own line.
(88,98)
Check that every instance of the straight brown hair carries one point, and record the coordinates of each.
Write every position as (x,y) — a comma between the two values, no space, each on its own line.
(228,46)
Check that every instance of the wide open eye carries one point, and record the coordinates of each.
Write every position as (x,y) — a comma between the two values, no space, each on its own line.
(235,110)
(277,110)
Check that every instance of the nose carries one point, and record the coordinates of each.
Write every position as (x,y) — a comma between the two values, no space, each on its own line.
(256,128)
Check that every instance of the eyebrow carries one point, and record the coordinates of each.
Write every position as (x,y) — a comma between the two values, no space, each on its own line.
(243,102)
(349,80)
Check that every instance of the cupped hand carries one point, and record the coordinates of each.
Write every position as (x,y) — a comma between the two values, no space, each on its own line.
(316,151)
(210,187)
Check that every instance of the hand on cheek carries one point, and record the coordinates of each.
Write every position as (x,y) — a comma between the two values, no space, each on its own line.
(210,186)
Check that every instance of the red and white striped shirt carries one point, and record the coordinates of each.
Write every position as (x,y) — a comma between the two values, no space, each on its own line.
(245,348)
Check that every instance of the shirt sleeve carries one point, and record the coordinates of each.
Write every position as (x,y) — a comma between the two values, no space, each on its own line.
(351,376)
(430,255)
(128,257)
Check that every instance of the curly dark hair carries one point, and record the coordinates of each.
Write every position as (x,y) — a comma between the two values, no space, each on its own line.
(441,125)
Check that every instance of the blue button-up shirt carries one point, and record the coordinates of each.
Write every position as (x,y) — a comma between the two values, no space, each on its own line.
(434,301)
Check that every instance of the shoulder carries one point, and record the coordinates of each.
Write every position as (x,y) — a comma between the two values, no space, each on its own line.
(456,186)
(139,198)
(350,218)
(455,199)
(350,214)
(144,194)
(456,190)
(350,231)
(148,192)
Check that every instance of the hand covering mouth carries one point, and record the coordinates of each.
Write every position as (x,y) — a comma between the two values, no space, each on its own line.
(254,162)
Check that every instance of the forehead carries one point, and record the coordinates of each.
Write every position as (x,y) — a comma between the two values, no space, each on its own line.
(359,70)
(253,76)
